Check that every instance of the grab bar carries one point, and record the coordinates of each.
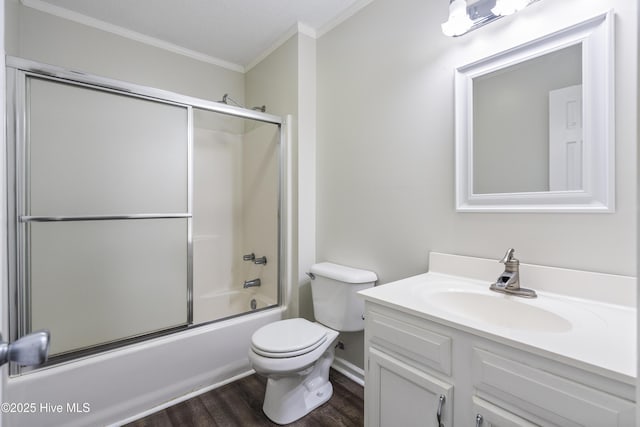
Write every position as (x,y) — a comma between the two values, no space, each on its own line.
(30,218)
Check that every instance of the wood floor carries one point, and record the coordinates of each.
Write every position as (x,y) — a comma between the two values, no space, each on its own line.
(240,404)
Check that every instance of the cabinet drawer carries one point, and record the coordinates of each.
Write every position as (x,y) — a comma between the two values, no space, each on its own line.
(427,347)
(553,398)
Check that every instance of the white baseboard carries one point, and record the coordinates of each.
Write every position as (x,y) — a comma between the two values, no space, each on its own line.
(349,370)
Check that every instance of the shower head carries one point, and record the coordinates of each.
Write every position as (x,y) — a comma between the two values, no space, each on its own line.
(226,99)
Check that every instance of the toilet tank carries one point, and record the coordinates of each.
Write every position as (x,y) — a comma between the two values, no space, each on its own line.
(334,292)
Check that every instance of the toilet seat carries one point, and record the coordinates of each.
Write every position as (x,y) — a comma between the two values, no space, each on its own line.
(288,338)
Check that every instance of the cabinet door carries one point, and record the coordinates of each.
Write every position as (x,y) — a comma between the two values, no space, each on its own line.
(397,394)
(489,415)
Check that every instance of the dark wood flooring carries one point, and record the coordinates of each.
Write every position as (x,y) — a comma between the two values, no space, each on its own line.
(240,404)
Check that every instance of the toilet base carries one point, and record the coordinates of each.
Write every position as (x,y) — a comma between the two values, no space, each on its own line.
(291,397)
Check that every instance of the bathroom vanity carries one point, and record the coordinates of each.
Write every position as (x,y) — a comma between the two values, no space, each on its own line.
(442,349)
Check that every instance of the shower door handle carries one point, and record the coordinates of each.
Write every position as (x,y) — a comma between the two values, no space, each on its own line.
(30,350)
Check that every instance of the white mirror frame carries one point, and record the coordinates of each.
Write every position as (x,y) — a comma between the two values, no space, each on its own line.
(596,36)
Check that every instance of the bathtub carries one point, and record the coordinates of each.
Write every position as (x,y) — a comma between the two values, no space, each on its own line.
(130,382)
(219,305)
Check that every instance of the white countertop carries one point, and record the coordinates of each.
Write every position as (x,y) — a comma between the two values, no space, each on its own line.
(597,336)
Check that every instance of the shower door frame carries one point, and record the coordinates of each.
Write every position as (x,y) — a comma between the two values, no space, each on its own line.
(18,70)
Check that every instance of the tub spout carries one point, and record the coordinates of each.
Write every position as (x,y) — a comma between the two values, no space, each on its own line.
(251,283)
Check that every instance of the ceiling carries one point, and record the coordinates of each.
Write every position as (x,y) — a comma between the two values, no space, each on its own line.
(231,33)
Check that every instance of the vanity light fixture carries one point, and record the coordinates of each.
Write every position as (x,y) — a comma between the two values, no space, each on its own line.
(468,15)
(459,21)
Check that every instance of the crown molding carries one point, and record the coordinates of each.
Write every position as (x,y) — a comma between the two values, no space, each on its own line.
(133,35)
(302,28)
(346,14)
(298,28)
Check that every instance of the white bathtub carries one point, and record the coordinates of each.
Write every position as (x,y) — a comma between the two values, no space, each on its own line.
(218,305)
(132,381)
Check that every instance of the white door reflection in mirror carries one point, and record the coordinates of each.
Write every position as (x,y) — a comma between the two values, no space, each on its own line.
(565,139)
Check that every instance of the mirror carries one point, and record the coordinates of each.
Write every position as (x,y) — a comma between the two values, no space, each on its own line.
(534,125)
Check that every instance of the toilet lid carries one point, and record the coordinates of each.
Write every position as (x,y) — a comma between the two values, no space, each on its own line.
(288,338)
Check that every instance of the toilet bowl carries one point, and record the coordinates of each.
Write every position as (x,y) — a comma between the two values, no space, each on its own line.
(298,377)
(295,354)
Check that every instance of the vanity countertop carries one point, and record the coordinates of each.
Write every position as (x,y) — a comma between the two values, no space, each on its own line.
(597,334)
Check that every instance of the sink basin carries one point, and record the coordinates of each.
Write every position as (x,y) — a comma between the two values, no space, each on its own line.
(502,310)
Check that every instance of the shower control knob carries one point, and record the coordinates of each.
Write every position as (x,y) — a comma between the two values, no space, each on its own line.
(30,350)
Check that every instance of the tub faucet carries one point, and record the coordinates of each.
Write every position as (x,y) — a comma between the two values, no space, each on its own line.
(509,281)
(251,283)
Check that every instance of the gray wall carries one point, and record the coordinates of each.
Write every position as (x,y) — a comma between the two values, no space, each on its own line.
(285,82)
(274,82)
(386,146)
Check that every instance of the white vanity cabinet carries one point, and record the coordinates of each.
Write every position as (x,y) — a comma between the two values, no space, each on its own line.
(412,360)
(407,373)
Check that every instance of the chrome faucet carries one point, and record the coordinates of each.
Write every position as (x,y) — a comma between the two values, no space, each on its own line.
(509,281)
(251,283)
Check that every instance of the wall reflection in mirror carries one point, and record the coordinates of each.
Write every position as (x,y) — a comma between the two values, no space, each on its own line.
(527,132)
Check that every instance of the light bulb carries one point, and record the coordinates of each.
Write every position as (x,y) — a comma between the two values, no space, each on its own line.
(459,21)
(508,7)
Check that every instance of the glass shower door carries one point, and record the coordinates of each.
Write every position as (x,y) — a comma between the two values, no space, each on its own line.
(236,216)
(103,210)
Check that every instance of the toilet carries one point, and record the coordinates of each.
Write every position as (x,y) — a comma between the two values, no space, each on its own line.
(295,354)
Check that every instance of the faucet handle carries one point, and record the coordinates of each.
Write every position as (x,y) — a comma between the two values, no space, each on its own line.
(508,257)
